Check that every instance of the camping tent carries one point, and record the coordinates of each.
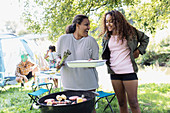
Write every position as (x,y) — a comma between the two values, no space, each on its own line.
(11,48)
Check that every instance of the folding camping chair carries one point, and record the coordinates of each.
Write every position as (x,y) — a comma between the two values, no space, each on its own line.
(105,95)
(48,86)
(35,95)
(3,80)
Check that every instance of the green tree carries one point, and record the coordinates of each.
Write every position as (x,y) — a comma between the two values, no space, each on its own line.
(52,16)
(149,15)
(11,26)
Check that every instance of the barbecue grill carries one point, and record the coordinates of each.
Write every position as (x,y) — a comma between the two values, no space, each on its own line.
(83,107)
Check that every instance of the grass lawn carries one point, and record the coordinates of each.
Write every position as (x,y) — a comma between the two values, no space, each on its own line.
(153,98)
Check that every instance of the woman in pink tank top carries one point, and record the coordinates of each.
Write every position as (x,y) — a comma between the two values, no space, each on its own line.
(120,48)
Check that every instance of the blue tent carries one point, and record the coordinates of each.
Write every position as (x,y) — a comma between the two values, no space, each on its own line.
(11,48)
(27,48)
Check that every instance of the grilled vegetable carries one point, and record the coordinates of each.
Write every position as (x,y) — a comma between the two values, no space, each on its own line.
(66,54)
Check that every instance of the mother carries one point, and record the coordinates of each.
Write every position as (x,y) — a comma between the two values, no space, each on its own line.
(82,47)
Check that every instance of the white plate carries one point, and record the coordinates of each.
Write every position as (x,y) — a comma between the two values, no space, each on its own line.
(85,63)
(49,72)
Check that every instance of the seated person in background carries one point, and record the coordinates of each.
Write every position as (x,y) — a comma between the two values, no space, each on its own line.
(52,55)
(25,70)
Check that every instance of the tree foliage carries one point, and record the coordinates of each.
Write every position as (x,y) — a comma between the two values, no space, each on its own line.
(52,16)
(11,26)
(150,15)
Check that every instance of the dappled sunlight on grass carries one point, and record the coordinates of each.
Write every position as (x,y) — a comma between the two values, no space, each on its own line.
(153,98)
(16,100)
(166,95)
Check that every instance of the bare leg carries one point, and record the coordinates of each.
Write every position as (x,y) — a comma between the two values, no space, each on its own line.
(25,79)
(131,89)
(119,89)
(55,82)
(33,72)
(19,79)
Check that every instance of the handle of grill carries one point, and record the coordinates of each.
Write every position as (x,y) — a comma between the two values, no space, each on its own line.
(97,94)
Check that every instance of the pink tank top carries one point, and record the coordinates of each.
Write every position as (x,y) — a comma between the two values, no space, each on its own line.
(120,56)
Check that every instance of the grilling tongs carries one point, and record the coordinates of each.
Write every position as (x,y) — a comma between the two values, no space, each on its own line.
(66,54)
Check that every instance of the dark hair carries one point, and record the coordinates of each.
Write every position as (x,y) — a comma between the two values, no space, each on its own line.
(52,48)
(77,20)
(122,26)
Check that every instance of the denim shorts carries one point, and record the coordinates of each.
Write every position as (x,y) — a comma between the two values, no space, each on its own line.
(123,77)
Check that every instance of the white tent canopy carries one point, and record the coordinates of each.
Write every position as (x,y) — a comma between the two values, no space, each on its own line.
(11,50)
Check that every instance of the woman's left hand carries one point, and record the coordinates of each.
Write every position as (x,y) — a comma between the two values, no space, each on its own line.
(136,53)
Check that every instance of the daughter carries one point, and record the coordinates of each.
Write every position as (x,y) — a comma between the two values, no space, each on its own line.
(51,54)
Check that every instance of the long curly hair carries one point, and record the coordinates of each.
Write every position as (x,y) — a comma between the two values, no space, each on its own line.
(122,28)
